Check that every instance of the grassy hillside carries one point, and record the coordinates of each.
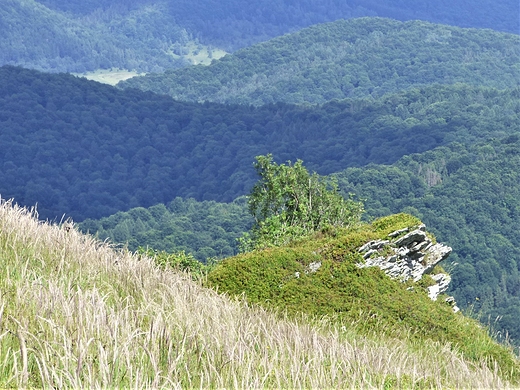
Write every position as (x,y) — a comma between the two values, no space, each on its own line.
(319,276)
(347,58)
(75,313)
(469,196)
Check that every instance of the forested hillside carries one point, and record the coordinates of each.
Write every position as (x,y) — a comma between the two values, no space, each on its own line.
(206,229)
(469,195)
(89,150)
(135,38)
(347,58)
(151,35)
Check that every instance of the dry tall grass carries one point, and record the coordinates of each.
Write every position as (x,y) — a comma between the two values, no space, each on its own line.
(76,313)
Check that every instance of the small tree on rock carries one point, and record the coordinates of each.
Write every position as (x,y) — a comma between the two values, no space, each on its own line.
(288,203)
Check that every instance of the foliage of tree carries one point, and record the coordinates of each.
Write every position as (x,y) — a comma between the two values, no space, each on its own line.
(469,196)
(346,59)
(288,203)
(88,150)
(203,229)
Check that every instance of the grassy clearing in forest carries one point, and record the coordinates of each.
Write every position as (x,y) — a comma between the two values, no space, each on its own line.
(110,76)
(76,313)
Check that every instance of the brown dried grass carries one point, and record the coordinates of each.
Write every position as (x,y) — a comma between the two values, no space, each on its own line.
(74,312)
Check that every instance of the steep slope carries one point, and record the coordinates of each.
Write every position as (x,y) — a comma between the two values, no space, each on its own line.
(90,150)
(353,58)
(322,276)
(75,313)
(470,196)
(139,38)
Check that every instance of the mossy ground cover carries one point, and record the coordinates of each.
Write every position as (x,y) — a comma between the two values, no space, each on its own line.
(281,278)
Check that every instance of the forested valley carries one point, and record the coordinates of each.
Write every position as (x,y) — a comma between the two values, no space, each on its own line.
(89,150)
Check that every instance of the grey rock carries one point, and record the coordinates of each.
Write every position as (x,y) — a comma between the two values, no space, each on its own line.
(441,285)
(414,236)
(398,232)
(435,254)
(314,266)
(408,257)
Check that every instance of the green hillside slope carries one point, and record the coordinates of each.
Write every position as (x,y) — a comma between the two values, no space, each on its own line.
(469,196)
(140,38)
(320,276)
(353,58)
(90,150)
(75,313)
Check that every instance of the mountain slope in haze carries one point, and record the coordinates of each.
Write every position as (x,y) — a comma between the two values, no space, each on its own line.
(347,58)
(140,38)
(89,150)
(235,24)
(150,35)
(76,313)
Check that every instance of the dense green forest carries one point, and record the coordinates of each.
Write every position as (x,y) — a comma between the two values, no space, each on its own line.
(206,229)
(89,150)
(143,39)
(469,196)
(347,58)
(151,35)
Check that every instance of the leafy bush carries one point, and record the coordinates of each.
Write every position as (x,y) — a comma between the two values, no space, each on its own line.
(289,203)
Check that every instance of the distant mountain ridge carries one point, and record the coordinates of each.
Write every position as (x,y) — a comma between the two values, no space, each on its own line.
(347,58)
(149,35)
(37,37)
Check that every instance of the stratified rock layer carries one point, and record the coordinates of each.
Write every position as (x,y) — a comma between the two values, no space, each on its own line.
(409,254)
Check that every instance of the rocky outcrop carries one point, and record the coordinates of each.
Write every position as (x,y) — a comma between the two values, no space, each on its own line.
(409,254)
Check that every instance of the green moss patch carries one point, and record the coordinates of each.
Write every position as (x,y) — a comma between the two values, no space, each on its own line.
(286,279)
